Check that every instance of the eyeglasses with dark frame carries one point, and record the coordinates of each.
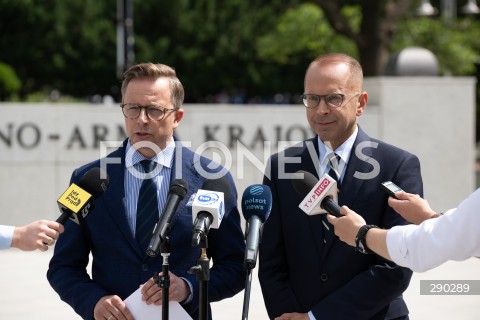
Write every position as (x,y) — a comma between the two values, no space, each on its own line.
(133,111)
(333,100)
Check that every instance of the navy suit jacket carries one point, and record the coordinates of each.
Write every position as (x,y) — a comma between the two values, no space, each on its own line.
(298,273)
(119,267)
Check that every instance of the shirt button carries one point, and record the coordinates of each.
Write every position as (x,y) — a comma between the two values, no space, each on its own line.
(324,277)
(144,267)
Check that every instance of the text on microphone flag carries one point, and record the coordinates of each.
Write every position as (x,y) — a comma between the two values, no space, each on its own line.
(74,197)
(317,192)
(206,200)
(257,200)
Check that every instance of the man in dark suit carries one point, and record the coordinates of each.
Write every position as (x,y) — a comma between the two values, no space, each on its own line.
(304,271)
(152,97)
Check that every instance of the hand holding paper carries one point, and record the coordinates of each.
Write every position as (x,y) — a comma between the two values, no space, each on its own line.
(142,311)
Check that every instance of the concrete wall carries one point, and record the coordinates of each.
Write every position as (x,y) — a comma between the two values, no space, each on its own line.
(433,117)
(41,144)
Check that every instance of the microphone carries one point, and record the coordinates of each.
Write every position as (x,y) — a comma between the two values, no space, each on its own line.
(178,190)
(256,207)
(77,201)
(320,196)
(208,207)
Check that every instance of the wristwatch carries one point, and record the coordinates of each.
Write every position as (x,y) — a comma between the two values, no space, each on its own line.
(360,242)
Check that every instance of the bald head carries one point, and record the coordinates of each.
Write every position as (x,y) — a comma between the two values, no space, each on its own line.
(355,81)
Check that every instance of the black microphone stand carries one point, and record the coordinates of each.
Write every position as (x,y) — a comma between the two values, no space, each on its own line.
(202,271)
(246,296)
(163,281)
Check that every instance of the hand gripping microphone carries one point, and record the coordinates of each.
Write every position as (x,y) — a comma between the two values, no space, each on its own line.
(178,190)
(320,196)
(256,207)
(208,207)
(77,201)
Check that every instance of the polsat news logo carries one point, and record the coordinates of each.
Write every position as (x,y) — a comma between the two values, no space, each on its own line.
(317,192)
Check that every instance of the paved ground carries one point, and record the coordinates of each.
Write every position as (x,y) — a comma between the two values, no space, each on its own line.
(26,294)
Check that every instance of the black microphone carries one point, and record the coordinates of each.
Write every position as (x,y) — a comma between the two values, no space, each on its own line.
(208,207)
(77,201)
(178,190)
(318,195)
(256,207)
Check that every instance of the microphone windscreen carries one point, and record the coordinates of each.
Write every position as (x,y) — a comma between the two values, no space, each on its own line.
(95,181)
(179,187)
(257,201)
(218,185)
(305,185)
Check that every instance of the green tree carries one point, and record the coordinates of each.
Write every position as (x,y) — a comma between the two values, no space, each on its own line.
(211,43)
(9,82)
(247,48)
(64,45)
(371,30)
(303,31)
(451,41)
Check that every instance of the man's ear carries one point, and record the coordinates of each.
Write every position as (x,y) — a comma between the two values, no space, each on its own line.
(178,116)
(362,103)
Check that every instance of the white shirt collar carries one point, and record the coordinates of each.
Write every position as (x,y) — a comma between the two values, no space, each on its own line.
(343,151)
(164,158)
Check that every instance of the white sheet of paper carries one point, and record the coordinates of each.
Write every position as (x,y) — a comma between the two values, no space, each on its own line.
(142,311)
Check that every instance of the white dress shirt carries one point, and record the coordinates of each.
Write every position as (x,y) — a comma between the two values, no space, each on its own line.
(453,236)
(6,236)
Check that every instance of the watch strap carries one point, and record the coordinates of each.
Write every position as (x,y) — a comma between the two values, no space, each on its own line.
(360,241)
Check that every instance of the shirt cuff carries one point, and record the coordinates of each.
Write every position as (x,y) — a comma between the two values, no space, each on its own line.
(190,297)
(311,316)
(6,236)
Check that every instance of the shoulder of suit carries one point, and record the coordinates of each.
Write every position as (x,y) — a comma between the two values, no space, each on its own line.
(386,150)
(298,148)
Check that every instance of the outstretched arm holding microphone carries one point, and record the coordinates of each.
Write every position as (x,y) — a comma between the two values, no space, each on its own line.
(38,234)
(452,236)
(75,203)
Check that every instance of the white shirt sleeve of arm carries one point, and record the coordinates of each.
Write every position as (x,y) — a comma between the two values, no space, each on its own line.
(398,245)
(6,236)
(454,236)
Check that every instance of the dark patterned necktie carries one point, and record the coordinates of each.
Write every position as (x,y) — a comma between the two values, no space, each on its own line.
(147,207)
(333,164)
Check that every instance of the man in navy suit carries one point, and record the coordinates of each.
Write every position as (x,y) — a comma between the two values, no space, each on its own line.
(152,96)
(304,271)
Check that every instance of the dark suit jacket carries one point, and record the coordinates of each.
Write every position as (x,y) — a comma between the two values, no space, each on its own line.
(299,274)
(119,267)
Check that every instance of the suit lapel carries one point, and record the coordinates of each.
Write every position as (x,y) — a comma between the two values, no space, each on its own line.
(183,168)
(310,163)
(357,165)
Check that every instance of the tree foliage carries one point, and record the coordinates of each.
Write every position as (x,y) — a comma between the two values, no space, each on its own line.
(451,41)
(67,45)
(9,82)
(242,49)
(304,31)
(212,45)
